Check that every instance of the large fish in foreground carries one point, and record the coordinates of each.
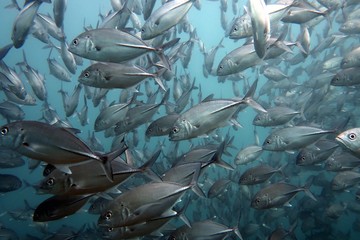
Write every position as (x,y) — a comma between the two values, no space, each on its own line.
(111,45)
(350,139)
(209,115)
(54,145)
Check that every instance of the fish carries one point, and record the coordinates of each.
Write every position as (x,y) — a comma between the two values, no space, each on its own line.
(161,126)
(208,116)
(218,187)
(260,23)
(70,103)
(341,162)
(165,17)
(351,59)
(248,154)
(116,75)
(275,116)
(205,229)
(316,153)
(35,79)
(9,183)
(111,115)
(349,140)
(293,138)
(10,111)
(51,26)
(23,22)
(344,180)
(57,70)
(277,195)
(10,159)
(346,77)
(4,50)
(57,207)
(258,174)
(59,7)
(45,142)
(11,81)
(139,115)
(111,45)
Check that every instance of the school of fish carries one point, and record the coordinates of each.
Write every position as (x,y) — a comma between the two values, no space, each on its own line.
(255,139)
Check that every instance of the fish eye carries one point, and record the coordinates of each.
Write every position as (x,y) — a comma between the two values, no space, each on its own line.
(221,67)
(235,28)
(4,130)
(268,141)
(50,182)
(110,229)
(143,30)
(75,42)
(108,215)
(257,200)
(87,74)
(175,130)
(351,136)
(303,158)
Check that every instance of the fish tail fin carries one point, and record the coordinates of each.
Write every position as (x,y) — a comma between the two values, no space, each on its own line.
(194,182)
(108,158)
(307,190)
(160,52)
(237,233)
(146,167)
(217,157)
(249,98)
(165,98)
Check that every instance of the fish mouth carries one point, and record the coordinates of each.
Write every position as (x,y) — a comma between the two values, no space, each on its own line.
(340,140)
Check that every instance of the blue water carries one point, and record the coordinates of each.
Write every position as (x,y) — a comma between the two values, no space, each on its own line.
(225,209)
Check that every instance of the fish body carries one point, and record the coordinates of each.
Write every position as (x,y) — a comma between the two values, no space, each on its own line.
(113,75)
(111,115)
(258,174)
(346,77)
(207,229)
(161,126)
(344,180)
(165,17)
(141,203)
(59,7)
(341,162)
(293,138)
(316,153)
(23,22)
(248,154)
(58,207)
(275,116)
(276,195)
(58,71)
(54,145)
(9,183)
(108,45)
(260,23)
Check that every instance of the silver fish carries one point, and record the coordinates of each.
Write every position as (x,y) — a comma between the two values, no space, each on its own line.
(161,126)
(36,80)
(277,195)
(50,144)
(341,162)
(59,8)
(344,180)
(165,17)
(248,154)
(58,70)
(9,183)
(111,45)
(111,115)
(51,27)
(10,111)
(350,140)
(116,75)
(293,138)
(347,77)
(260,23)
(316,153)
(208,116)
(23,22)
(258,174)
(351,59)
(70,103)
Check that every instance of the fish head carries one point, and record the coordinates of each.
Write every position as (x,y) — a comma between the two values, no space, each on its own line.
(148,30)
(338,185)
(350,139)
(82,44)
(338,79)
(274,142)
(260,201)
(12,135)
(246,179)
(55,183)
(225,67)
(346,62)
(304,158)
(260,119)
(181,130)
(90,76)
(114,215)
